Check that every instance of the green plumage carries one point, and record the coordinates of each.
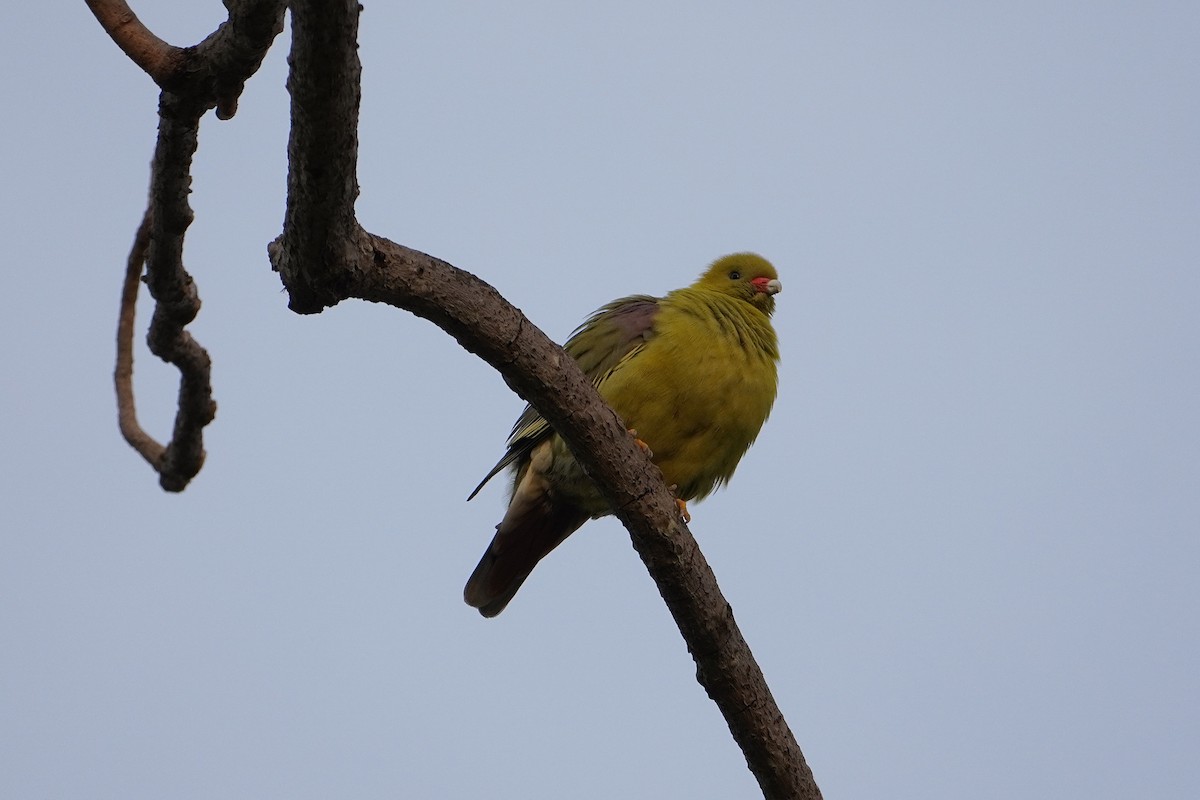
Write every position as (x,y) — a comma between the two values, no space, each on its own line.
(694,373)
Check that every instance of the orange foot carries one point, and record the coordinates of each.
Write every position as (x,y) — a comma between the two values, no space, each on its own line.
(645,447)
(683,512)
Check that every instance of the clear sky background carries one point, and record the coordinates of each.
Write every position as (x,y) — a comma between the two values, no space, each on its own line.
(964,549)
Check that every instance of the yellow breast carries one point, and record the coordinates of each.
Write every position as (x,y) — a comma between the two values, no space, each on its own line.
(700,389)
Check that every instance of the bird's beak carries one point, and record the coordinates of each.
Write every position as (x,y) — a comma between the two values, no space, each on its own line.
(767,285)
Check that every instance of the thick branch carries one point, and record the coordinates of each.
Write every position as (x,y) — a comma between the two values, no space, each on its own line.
(323,155)
(214,70)
(224,61)
(193,80)
(323,257)
(174,290)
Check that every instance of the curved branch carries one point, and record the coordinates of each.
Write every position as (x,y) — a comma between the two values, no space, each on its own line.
(324,256)
(226,59)
(159,59)
(216,68)
(127,420)
(485,323)
(194,80)
(174,291)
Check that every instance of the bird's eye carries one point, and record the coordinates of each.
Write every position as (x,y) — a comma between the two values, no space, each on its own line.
(735,276)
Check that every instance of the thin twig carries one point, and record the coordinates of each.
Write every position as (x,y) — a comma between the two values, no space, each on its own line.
(138,439)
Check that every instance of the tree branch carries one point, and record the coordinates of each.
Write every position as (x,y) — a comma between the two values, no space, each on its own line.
(138,439)
(217,68)
(324,256)
(319,222)
(194,80)
(159,59)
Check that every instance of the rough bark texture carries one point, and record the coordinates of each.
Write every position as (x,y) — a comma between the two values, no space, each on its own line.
(323,257)
(193,80)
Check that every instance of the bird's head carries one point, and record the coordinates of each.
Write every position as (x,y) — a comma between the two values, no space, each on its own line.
(747,276)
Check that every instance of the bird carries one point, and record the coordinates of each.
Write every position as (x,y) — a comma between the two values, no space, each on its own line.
(693,376)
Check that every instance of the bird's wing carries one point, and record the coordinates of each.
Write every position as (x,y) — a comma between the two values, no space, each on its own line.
(604,340)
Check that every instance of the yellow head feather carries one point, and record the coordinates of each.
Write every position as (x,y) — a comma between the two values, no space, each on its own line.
(747,276)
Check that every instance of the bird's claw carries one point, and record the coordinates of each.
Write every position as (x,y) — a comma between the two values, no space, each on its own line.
(644,447)
(682,506)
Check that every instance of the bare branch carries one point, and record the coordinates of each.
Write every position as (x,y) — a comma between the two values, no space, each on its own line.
(319,221)
(181,459)
(217,68)
(138,439)
(174,291)
(226,59)
(159,59)
(324,256)
(194,80)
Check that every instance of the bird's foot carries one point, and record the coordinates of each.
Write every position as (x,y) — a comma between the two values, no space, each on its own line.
(645,447)
(682,506)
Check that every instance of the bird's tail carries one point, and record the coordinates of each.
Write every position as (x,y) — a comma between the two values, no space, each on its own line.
(534,525)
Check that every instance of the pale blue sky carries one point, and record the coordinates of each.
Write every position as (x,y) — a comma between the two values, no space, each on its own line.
(964,549)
